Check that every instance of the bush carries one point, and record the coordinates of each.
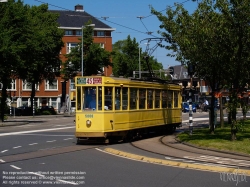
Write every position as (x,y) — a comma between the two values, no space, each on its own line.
(46,112)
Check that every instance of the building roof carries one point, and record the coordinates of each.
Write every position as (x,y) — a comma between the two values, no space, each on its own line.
(76,19)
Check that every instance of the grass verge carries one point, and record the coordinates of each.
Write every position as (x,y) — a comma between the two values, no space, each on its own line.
(221,139)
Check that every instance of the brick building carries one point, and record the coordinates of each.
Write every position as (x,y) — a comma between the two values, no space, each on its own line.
(71,22)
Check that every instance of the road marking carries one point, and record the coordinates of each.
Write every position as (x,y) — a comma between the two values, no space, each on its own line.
(17,147)
(67,182)
(40,175)
(33,143)
(44,135)
(32,131)
(2,160)
(4,151)
(51,141)
(68,139)
(15,167)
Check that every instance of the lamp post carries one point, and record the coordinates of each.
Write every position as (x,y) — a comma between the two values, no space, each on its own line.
(91,25)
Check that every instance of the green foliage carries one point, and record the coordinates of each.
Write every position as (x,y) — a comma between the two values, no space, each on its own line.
(126,58)
(46,112)
(94,57)
(214,39)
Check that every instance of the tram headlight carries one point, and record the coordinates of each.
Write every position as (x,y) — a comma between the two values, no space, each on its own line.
(88,123)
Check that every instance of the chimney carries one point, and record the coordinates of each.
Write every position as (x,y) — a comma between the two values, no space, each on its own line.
(79,8)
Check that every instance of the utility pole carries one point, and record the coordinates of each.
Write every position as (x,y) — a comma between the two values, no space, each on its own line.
(190,73)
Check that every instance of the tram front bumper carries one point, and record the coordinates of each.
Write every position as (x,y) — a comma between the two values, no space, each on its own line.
(90,134)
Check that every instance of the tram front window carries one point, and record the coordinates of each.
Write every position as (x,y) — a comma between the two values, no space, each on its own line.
(89,98)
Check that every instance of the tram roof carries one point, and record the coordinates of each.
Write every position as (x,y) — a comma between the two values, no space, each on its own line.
(95,80)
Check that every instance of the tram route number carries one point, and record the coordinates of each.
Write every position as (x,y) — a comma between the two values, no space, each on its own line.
(89,115)
(94,80)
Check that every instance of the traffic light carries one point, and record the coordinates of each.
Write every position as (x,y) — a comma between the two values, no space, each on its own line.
(191,69)
(171,70)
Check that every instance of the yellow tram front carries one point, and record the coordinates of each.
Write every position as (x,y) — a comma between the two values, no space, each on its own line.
(111,106)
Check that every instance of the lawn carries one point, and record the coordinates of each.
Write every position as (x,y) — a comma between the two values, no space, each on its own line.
(221,139)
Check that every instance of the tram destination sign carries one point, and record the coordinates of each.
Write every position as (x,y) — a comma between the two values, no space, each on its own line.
(91,80)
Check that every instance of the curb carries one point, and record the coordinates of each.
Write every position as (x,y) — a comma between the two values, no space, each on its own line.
(210,149)
(177,164)
(5,124)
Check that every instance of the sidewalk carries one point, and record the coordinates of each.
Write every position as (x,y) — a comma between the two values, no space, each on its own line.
(23,120)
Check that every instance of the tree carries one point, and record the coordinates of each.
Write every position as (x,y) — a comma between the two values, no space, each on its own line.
(94,57)
(13,25)
(214,39)
(44,42)
(126,58)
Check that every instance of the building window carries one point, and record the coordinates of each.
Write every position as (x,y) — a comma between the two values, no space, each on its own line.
(100,33)
(51,85)
(70,46)
(101,45)
(68,32)
(79,33)
(72,84)
(54,102)
(28,86)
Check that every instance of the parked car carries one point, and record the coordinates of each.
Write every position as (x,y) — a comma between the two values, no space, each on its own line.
(50,109)
(185,107)
(25,111)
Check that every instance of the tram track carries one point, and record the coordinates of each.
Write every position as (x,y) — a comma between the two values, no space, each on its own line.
(192,154)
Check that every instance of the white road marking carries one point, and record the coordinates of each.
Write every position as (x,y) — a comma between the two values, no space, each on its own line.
(17,147)
(32,131)
(40,175)
(44,135)
(51,141)
(33,143)
(68,139)
(4,151)
(2,160)
(67,182)
(15,167)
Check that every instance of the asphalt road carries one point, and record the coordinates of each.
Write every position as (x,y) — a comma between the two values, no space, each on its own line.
(45,154)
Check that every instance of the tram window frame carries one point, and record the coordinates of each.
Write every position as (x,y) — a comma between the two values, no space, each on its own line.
(176,94)
(118,98)
(79,98)
(150,98)
(108,98)
(124,98)
(133,97)
(142,98)
(170,98)
(164,99)
(157,99)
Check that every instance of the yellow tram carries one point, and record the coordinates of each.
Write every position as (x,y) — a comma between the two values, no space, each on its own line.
(112,107)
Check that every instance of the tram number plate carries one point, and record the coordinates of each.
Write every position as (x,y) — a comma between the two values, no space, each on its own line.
(89,115)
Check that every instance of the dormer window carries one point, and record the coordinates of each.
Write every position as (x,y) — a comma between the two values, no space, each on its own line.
(100,33)
(68,32)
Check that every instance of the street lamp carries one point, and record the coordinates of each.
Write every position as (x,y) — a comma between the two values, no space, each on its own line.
(91,25)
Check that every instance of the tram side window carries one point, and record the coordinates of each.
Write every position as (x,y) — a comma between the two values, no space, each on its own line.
(99,98)
(108,98)
(175,99)
(117,98)
(142,98)
(170,98)
(164,99)
(78,97)
(133,98)
(150,98)
(89,101)
(124,98)
(157,98)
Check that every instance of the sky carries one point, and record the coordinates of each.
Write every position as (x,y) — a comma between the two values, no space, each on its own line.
(124,17)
